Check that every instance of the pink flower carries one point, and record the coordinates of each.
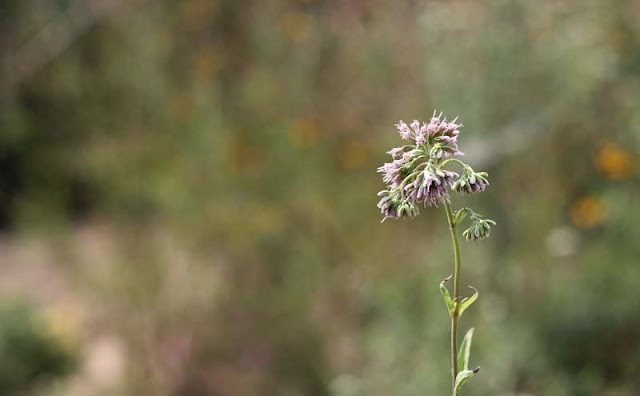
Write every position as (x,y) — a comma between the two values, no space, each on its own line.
(404,130)
(443,136)
(396,152)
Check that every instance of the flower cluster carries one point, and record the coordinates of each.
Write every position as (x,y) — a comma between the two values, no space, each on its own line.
(440,136)
(471,181)
(417,175)
(430,185)
(410,185)
(393,205)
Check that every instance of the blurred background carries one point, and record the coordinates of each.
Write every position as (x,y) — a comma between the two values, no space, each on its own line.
(188,191)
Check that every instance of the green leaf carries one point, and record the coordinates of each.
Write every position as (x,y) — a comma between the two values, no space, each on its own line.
(451,305)
(463,377)
(465,351)
(467,301)
(460,214)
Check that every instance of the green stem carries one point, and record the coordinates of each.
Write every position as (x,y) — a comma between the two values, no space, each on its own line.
(445,162)
(456,296)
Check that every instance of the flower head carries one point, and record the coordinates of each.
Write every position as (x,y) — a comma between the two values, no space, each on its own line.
(417,175)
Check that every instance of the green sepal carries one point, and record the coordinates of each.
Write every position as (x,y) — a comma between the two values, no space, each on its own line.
(451,305)
(467,301)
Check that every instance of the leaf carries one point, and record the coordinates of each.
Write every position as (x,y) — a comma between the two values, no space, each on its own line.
(451,305)
(460,214)
(463,377)
(465,351)
(466,302)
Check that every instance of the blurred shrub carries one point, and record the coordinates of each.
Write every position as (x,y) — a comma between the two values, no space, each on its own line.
(29,355)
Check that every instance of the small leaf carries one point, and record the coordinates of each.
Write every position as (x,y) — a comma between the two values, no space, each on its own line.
(465,351)
(463,377)
(451,305)
(460,215)
(466,302)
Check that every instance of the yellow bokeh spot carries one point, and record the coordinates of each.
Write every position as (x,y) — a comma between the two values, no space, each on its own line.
(588,212)
(353,154)
(614,162)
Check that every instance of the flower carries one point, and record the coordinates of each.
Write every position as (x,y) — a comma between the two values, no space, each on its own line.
(421,135)
(404,130)
(417,133)
(395,171)
(396,152)
(392,173)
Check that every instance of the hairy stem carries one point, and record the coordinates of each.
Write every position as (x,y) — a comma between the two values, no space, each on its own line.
(456,297)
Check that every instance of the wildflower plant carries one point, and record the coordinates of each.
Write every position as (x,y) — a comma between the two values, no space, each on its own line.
(418,176)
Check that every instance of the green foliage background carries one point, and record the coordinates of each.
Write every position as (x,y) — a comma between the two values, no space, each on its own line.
(202,176)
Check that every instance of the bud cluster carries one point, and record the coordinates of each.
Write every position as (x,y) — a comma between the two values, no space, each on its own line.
(417,176)
(480,229)
(471,181)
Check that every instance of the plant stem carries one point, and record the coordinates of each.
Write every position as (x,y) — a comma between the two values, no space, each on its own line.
(456,295)
(445,162)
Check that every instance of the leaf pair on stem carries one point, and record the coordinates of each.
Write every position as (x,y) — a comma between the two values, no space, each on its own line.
(456,309)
